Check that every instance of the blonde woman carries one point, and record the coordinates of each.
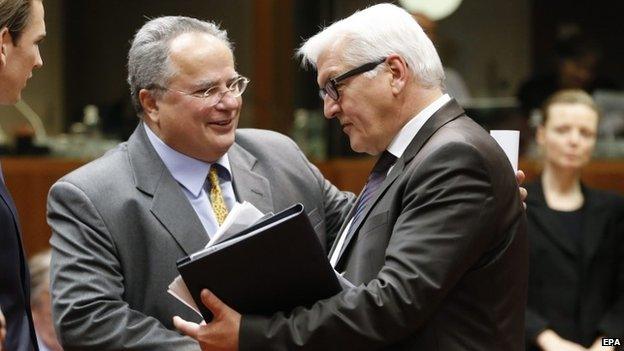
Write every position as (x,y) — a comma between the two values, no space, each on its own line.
(576,277)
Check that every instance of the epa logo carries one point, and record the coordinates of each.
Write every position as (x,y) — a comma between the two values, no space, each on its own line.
(611,342)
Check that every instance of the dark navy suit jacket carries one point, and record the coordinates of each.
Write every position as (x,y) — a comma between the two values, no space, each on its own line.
(14,279)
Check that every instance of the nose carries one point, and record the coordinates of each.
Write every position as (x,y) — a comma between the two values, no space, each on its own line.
(228,101)
(331,108)
(38,60)
(575,137)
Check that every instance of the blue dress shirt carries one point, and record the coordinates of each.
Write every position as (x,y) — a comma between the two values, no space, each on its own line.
(192,176)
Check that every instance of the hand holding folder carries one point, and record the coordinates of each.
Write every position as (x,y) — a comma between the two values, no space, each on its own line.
(274,265)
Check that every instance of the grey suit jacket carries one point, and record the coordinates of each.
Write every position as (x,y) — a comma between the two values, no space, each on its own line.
(120,223)
(439,258)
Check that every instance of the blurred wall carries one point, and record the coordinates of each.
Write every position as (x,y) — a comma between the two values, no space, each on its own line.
(486,41)
(101,31)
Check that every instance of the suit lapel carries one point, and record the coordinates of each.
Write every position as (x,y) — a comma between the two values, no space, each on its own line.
(595,217)
(342,229)
(546,218)
(445,114)
(392,176)
(6,197)
(249,185)
(169,205)
(8,200)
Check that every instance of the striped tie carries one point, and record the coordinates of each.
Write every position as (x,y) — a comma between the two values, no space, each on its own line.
(216,198)
(376,177)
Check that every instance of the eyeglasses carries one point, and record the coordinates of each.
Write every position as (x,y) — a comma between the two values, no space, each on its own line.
(331,87)
(213,95)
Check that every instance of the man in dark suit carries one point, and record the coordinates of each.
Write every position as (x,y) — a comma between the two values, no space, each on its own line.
(121,222)
(436,244)
(21,29)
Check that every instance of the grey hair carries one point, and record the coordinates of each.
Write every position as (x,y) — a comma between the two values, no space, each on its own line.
(148,58)
(377,32)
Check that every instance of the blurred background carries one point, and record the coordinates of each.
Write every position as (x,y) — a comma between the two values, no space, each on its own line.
(77,106)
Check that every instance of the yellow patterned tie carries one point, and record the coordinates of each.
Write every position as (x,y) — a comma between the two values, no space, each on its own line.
(216,198)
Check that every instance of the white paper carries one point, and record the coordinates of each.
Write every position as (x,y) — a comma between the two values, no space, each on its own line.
(178,289)
(239,218)
(509,141)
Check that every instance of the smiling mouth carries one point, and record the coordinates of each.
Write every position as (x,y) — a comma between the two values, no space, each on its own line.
(222,123)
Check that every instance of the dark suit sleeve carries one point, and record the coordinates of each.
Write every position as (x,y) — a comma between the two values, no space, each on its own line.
(612,323)
(447,210)
(87,283)
(535,324)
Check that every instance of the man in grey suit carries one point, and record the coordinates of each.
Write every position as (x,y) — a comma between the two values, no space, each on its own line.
(436,244)
(120,222)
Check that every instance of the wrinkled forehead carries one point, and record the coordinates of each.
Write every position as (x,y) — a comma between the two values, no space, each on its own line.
(330,62)
(201,55)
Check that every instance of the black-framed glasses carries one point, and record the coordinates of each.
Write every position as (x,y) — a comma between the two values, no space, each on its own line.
(213,95)
(331,87)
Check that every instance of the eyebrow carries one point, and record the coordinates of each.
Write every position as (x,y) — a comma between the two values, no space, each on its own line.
(321,86)
(329,76)
(210,83)
(204,84)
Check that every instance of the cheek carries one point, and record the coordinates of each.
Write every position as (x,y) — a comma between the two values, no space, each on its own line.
(27,64)
(589,146)
(553,145)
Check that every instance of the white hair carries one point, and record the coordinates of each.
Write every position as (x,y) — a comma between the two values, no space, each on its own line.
(374,33)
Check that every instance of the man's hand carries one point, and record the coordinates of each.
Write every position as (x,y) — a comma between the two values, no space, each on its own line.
(597,346)
(2,330)
(221,333)
(548,340)
(523,192)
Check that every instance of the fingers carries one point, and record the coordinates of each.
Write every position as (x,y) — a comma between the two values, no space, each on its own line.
(210,300)
(187,328)
(520,176)
(2,330)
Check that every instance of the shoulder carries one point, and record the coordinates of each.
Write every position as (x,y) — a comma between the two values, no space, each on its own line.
(464,141)
(107,171)
(266,144)
(607,199)
(261,138)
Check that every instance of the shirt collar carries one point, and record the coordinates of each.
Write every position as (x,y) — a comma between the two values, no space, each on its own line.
(191,173)
(402,140)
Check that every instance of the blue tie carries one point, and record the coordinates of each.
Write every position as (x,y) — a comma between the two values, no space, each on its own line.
(376,177)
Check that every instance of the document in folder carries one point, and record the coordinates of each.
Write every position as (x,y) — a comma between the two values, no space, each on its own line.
(274,265)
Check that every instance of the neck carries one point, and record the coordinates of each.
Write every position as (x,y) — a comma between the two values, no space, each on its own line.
(417,101)
(561,181)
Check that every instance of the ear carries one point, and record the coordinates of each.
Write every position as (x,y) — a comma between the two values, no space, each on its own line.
(400,73)
(5,41)
(149,104)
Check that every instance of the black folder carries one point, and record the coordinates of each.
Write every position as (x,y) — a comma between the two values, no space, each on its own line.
(275,265)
